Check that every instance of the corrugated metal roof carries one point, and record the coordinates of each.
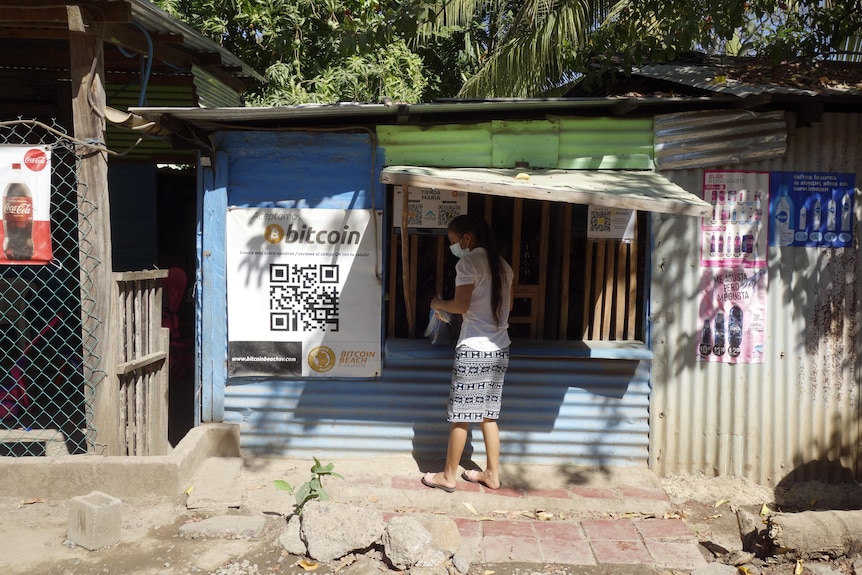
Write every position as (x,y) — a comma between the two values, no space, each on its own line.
(718,137)
(411,113)
(713,79)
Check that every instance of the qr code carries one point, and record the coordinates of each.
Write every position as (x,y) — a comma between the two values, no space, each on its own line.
(303,298)
(600,221)
(414,216)
(446,214)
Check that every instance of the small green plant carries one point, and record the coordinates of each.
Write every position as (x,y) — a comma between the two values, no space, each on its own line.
(311,489)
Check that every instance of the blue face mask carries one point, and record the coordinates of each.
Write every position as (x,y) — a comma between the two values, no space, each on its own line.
(457,250)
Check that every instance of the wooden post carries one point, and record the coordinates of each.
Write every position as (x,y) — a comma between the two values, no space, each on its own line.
(94,226)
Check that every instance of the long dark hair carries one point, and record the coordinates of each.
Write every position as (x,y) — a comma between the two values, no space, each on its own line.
(485,238)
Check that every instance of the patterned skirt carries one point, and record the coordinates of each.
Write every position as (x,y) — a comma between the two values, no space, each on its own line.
(477,384)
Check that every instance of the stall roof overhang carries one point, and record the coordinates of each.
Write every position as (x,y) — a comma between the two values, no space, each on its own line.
(345,113)
(624,189)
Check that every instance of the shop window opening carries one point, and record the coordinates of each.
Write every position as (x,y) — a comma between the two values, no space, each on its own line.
(567,287)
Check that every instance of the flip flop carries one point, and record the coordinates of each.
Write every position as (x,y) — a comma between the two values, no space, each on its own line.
(428,481)
(472,476)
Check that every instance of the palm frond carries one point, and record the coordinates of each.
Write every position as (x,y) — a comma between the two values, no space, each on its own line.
(529,64)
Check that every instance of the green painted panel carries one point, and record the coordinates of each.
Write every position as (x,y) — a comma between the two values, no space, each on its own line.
(536,142)
(606,143)
(451,145)
(567,143)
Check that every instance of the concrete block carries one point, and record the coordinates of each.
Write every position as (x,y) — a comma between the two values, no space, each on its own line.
(94,520)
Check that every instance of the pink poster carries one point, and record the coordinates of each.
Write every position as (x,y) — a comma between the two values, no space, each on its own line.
(736,233)
(25,184)
(732,315)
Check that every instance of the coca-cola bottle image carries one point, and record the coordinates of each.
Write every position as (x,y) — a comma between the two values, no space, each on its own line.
(17,218)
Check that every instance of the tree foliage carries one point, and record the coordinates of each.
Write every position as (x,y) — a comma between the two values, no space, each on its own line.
(417,50)
(316,50)
(657,30)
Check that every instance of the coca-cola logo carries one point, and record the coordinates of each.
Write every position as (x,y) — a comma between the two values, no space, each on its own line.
(17,208)
(35,159)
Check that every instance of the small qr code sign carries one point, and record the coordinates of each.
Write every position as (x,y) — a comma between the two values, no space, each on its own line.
(610,223)
(428,208)
(303,292)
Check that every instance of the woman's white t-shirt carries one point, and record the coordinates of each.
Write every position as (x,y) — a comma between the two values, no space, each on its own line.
(479,330)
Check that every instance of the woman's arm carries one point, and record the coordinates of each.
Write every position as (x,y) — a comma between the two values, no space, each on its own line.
(459,304)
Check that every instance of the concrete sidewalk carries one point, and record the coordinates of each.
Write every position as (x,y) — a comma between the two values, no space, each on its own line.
(541,515)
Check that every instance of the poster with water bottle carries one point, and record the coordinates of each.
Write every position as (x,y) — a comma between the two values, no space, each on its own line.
(812,209)
(25,182)
(734,235)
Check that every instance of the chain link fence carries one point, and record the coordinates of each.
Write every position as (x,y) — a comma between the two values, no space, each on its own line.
(46,400)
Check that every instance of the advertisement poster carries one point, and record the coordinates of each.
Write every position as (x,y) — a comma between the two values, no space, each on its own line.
(25,182)
(812,209)
(428,210)
(303,295)
(735,235)
(732,315)
(609,223)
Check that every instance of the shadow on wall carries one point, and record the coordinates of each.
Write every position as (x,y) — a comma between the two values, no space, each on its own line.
(824,482)
(604,422)
(797,492)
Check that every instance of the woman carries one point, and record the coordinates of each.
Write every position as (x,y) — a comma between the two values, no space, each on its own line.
(483,287)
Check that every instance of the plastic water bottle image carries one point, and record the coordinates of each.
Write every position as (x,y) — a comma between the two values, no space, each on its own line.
(831,214)
(712,244)
(782,218)
(802,234)
(846,214)
(815,234)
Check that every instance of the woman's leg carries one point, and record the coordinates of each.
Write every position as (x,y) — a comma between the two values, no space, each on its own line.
(457,441)
(491,435)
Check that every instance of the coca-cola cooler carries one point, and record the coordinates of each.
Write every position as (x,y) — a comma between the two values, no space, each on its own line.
(25,178)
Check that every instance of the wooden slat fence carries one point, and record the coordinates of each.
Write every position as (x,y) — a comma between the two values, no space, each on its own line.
(142,363)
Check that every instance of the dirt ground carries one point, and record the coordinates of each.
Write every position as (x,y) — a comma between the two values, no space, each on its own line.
(33,534)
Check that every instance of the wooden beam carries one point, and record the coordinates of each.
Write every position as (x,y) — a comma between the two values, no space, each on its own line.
(566,297)
(56,13)
(141,362)
(94,237)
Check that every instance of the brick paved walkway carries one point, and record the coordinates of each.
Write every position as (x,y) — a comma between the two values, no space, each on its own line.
(569,537)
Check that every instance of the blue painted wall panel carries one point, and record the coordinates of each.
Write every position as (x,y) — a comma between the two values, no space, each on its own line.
(303,170)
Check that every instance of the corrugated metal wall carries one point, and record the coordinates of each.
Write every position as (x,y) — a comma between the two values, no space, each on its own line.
(570,412)
(795,416)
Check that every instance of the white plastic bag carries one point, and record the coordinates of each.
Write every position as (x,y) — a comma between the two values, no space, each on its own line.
(438,327)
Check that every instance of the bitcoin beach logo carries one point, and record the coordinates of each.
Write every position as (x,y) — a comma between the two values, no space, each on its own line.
(274,233)
(321,359)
